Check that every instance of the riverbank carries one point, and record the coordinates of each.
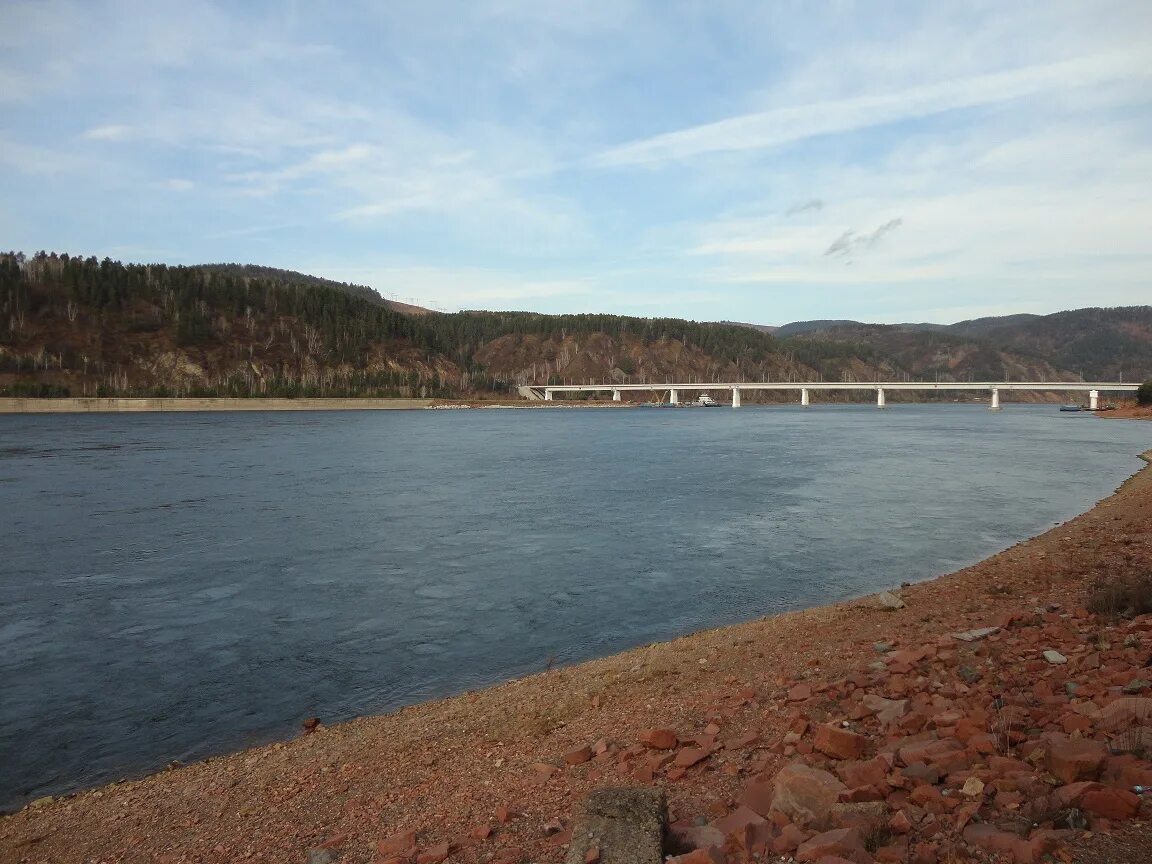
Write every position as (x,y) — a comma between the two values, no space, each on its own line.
(497,773)
(110,405)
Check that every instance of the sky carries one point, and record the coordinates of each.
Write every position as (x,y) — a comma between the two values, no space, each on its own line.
(707,159)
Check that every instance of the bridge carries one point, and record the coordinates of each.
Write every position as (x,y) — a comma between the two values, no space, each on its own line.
(881,388)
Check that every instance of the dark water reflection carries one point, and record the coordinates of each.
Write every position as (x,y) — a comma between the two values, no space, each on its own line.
(173,586)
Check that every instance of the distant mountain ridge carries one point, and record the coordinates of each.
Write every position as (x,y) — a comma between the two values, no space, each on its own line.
(82,326)
(1098,343)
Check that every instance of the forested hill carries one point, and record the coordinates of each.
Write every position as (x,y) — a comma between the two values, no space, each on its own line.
(80,326)
(1097,344)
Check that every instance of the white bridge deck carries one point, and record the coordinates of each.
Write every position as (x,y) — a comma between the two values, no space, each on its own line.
(1093,389)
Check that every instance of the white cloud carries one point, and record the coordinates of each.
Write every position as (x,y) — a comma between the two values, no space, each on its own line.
(794,123)
(176,184)
(111,132)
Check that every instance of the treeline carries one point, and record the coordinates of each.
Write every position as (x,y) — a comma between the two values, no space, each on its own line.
(69,314)
(100,327)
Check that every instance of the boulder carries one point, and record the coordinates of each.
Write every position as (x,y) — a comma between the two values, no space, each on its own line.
(1108,803)
(1076,759)
(806,794)
(888,600)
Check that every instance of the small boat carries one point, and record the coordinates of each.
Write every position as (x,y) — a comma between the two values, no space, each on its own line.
(706,401)
(1071,407)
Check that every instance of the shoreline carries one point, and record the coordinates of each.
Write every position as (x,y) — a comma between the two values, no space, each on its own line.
(157,404)
(114,405)
(446,766)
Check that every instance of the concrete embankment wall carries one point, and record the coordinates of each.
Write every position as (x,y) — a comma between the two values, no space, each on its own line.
(86,405)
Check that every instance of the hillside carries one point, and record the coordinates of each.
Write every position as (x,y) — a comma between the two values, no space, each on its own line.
(75,326)
(1096,344)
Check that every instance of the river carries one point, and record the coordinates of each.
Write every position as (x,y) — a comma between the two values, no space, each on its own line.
(176,586)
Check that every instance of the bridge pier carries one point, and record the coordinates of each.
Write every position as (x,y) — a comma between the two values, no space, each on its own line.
(995,406)
(673,397)
(804,401)
(735,397)
(547,395)
(1093,400)
(880,403)
(615,395)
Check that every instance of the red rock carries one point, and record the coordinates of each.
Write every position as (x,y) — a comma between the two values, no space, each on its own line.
(659,739)
(757,797)
(893,853)
(335,841)
(863,794)
(842,842)
(434,855)
(481,832)
(799,693)
(592,856)
(834,859)
(698,856)
(839,743)
(789,838)
(1071,795)
(925,853)
(741,741)
(676,772)
(900,823)
(931,751)
(403,844)
(578,756)
(1071,722)
(690,756)
(1076,759)
(806,794)
(1117,804)
(737,820)
(503,815)
(856,774)
(991,839)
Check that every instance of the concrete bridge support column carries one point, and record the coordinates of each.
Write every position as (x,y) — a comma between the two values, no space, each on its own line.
(995,406)
(735,397)
(615,395)
(547,395)
(880,403)
(1093,400)
(804,400)
(673,397)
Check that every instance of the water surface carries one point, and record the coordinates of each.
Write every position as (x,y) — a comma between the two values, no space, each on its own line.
(178,585)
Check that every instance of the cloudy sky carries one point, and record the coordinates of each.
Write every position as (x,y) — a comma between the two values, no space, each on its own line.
(755,160)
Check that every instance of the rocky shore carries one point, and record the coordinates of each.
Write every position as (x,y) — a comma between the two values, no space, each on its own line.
(1002,712)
